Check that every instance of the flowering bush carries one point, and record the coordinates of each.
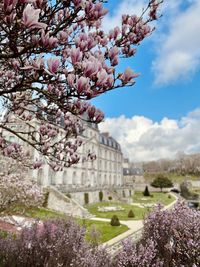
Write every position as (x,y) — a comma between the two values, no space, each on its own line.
(53,243)
(16,190)
(138,256)
(176,234)
(171,238)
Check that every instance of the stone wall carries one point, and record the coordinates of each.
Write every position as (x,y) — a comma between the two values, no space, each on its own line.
(93,196)
(60,202)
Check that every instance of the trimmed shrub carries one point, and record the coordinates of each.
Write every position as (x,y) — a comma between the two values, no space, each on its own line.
(100,196)
(169,196)
(115,221)
(109,198)
(86,198)
(46,197)
(146,192)
(131,214)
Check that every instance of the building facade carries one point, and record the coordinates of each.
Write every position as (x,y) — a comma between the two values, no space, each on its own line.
(85,179)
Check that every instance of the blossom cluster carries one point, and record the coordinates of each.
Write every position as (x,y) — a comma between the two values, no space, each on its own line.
(170,239)
(54,57)
(51,243)
(16,190)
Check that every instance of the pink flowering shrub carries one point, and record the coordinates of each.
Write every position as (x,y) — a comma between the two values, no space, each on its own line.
(54,57)
(54,243)
(138,255)
(171,238)
(16,190)
(176,234)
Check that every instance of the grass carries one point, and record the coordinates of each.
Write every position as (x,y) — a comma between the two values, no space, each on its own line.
(158,197)
(36,213)
(105,230)
(138,211)
(122,215)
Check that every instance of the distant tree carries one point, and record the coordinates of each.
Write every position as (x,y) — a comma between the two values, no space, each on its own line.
(161,182)
(146,192)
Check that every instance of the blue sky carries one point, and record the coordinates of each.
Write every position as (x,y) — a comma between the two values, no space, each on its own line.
(167,93)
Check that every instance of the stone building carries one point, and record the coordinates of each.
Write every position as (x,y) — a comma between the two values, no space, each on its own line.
(83,181)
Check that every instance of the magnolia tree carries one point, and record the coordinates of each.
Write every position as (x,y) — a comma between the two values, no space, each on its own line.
(16,188)
(54,57)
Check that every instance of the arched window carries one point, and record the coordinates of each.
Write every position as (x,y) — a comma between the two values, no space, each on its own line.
(105,178)
(110,180)
(115,180)
(52,176)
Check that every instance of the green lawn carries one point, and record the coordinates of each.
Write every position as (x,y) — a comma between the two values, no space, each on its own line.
(158,197)
(122,215)
(37,213)
(105,230)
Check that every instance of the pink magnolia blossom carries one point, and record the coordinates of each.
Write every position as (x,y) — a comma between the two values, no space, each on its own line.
(31,17)
(62,36)
(53,65)
(90,68)
(9,5)
(113,52)
(70,79)
(37,164)
(48,41)
(38,63)
(128,75)
(82,85)
(102,77)
(76,55)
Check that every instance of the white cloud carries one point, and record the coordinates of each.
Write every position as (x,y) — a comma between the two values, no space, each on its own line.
(177,41)
(125,7)
(142,139)
(178,50)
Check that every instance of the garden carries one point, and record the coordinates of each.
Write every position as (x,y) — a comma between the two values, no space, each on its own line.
(95,231)
(140,206)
